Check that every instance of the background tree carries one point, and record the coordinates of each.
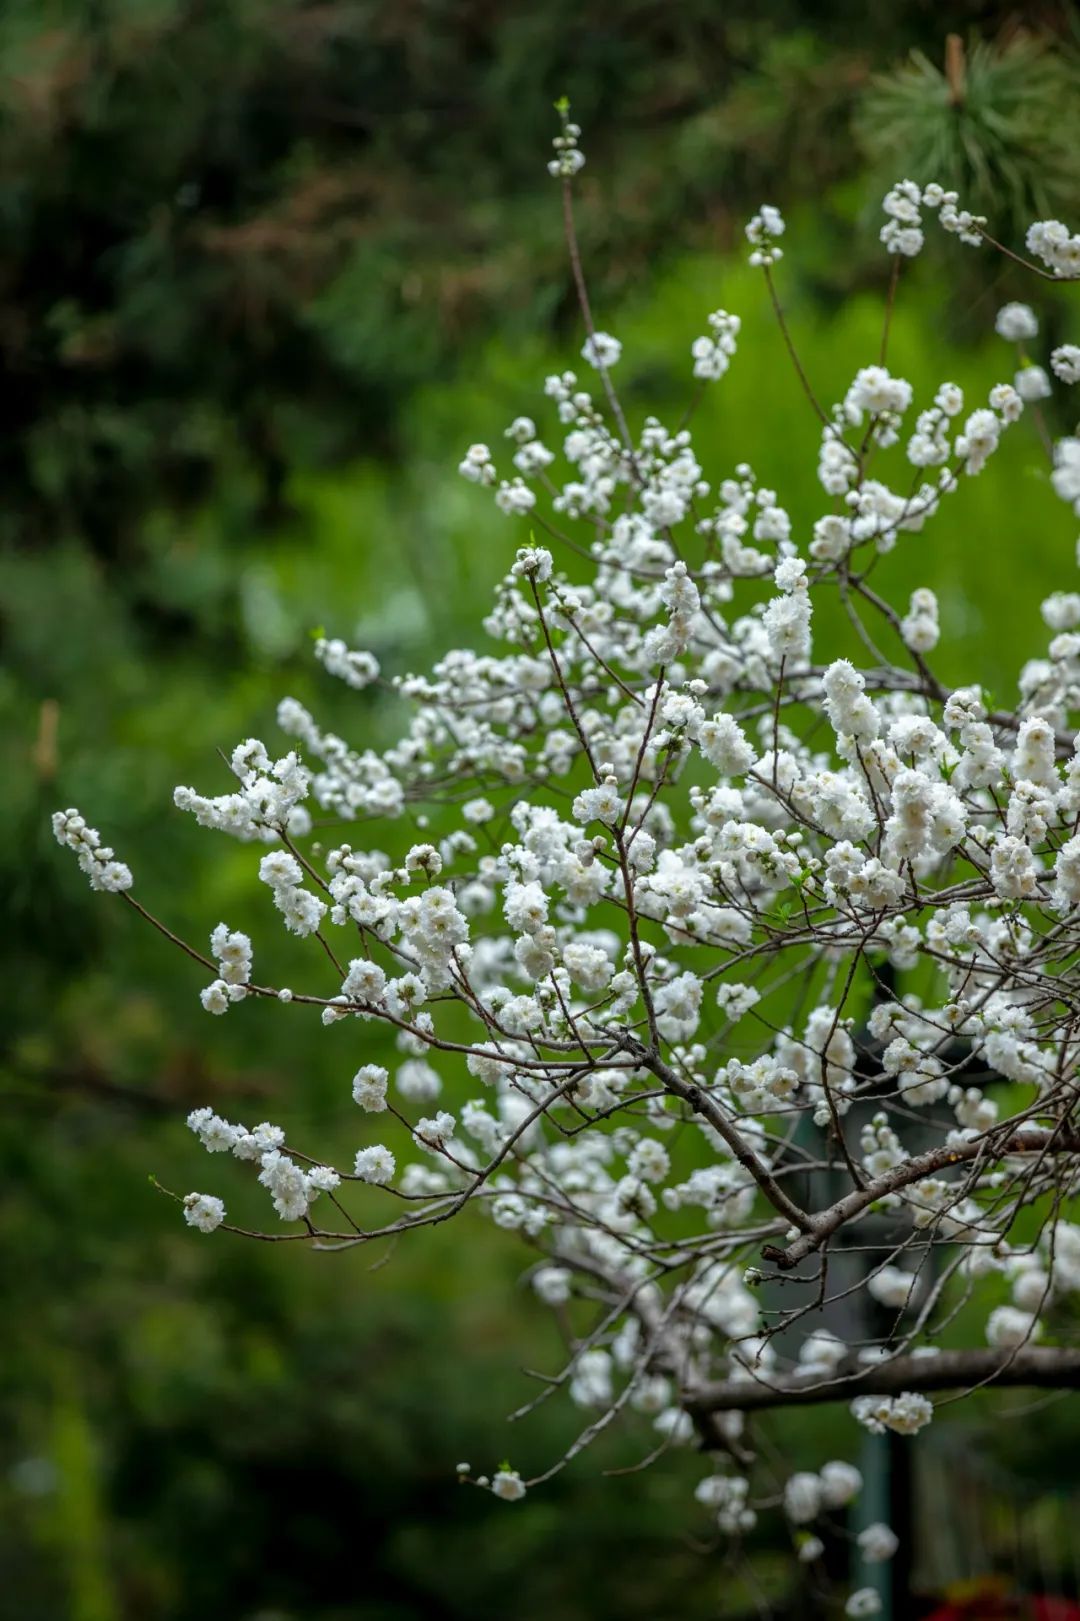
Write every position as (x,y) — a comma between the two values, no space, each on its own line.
(156,558)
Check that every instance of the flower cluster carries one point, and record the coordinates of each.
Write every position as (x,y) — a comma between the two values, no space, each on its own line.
(1056,246)
(712,354)
(903,233)
(762,233)
(646,994)
(95,859)
(904,1415)
(569,159)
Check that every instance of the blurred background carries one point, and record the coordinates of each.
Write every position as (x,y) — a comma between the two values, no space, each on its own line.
(268,268)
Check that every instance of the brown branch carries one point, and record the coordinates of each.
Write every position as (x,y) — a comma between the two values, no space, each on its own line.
(711,1110)
(823,1225)
(1043,1366)
(955,69)
(778,311)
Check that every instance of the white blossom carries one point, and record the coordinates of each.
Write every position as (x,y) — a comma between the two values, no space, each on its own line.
(905,1414)
(375,1164)
(762,232)
(1065,362)
(369,1087)
(1009,1327)
(1017,322)
(891,1285)
(1032,384)
(840,1483)
(96,860)
(802,1497)
(508,1485)
(864,1601)
(877,1542)
(602,351)
(1056,246)
(203,1212)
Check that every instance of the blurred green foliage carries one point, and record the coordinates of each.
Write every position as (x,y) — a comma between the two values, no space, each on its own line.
(237,235)
(1001,124)
(268,268)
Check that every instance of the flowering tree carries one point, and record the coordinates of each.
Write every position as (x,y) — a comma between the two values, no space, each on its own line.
(654,960)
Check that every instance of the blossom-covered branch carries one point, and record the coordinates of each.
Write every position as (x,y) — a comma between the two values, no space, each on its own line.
(720,947)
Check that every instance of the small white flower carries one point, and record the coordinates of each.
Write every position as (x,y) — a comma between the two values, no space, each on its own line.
(601,804)
(1009,1328)
(369,1088)
(552,1284)
(375,1164)
(203,1211)
(840,1483)
(1032,384)
(280,870)
(1017,322)
(602,351)
(877,1542)
(508,1485)
(1065,362)
(215,997)
(864,1601)
(762,232)
(534,563)
(477,466)
(803,1497)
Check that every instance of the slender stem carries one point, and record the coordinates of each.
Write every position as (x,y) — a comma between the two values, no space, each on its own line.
(796,362)
(590,326)
(710,1110)
(1017,258)
(890,301)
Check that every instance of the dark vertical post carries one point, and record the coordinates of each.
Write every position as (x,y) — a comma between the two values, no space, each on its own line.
(902,1520)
